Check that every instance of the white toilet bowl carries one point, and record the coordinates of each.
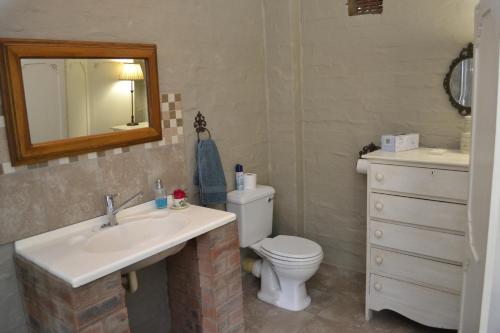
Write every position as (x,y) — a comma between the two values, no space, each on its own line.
(287,263)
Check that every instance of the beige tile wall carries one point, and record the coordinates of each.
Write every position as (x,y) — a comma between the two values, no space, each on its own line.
(56,193)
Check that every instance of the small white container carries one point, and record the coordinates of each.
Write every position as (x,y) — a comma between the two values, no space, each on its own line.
(400,142)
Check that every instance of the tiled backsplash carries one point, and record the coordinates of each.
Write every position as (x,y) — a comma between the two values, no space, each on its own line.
(172,134)
(46,196)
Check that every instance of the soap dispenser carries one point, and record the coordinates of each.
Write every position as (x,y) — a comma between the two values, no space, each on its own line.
(160,195)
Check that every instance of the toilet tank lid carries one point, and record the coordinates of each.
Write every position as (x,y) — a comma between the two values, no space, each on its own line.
(247,196)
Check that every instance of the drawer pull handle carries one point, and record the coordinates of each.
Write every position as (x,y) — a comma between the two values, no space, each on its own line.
(379,205)
(378,233)
(379,260)
(379,176)
(378,286)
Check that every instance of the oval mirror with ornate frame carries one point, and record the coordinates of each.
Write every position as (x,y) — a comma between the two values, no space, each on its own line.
(458,81)
(63,98)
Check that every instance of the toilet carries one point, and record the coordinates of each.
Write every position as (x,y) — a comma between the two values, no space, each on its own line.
(287,262)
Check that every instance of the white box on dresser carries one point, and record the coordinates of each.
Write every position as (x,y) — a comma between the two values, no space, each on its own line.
(416,221)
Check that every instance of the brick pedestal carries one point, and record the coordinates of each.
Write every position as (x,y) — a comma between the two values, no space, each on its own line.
(204,284)
(204,287)
(53,305)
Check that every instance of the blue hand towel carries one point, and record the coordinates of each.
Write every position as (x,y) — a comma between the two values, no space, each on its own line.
(209,174)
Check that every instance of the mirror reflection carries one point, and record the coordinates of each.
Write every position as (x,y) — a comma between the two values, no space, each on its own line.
(68,98)
(459,79)
(461,82)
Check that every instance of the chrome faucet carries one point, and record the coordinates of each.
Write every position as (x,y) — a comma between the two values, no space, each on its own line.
(111,211)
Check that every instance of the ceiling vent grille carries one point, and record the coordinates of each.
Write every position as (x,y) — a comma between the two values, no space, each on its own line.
(362,7)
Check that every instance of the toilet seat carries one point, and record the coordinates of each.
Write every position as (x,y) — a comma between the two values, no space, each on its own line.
(291,249)
(291,261)
(293,264)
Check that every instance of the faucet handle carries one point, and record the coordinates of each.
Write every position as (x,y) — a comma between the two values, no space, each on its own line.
(110,202)
(111,196)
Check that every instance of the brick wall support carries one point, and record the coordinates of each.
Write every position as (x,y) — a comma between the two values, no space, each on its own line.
(53,305)
(204,284)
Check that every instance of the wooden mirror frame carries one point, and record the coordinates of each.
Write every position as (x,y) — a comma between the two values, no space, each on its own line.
(22,151)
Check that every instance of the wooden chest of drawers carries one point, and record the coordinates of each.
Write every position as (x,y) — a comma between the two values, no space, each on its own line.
(416,221)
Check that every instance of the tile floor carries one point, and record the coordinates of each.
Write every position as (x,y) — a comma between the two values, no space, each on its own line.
(337,307)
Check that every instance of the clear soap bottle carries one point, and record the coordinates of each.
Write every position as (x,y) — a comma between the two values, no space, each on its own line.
(160,195)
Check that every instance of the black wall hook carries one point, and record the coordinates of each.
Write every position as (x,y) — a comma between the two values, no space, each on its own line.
(200,125)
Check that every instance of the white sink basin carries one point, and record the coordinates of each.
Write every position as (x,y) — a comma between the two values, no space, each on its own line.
(84,252)
(135,232)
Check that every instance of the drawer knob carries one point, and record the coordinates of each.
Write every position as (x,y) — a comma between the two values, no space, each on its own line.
(379,260)
(378,286)
(379,205)
(378,233)
(379,176)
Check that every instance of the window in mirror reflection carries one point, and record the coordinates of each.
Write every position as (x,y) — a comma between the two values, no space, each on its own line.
(78,97)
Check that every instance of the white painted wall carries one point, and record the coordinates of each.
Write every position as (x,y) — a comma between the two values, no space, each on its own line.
(109,98)
(336,83)
(77,97)
(365,76)
(284,104)
(44,86)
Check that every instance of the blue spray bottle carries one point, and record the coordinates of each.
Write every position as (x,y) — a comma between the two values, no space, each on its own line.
(239,177)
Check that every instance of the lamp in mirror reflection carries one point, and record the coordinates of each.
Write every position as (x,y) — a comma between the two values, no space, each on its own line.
(132,73)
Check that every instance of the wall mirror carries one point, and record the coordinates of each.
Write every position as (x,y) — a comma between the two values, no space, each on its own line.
(64,98)
(458,81)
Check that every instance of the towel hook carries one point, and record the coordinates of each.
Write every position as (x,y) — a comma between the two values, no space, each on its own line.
(200,125)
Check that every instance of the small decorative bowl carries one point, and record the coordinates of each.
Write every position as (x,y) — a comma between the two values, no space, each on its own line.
(179,203)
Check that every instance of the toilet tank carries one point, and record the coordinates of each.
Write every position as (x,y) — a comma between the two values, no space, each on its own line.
(254,212)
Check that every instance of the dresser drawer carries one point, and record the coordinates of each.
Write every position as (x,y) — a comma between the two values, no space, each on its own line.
(418,270)
(425,305)
(417,211)
(420,241)
(439,183)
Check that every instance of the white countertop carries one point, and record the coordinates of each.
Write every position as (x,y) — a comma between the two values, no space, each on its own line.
(62,252)
(424,156)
